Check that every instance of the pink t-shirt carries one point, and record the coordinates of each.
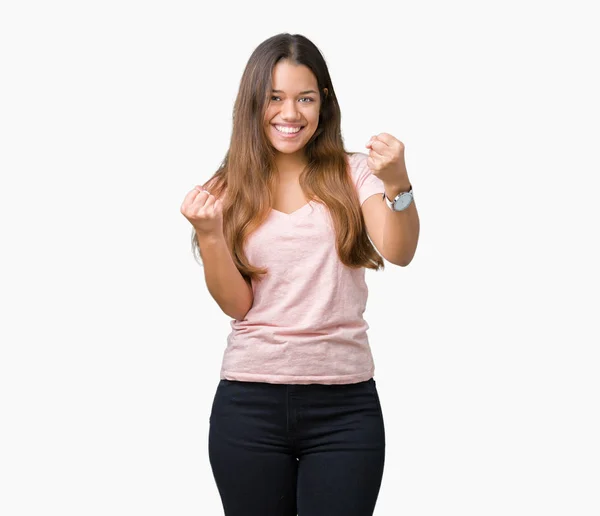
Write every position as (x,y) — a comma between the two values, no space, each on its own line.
(306,323)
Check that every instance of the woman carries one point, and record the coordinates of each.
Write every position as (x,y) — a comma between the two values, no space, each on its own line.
(285,229)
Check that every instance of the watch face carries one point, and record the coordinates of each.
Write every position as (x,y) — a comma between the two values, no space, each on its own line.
(403,202)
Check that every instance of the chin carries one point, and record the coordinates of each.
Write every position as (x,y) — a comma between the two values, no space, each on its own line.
(290,147)
(288,150)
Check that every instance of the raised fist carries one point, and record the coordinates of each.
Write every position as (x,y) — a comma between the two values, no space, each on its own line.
(204,211)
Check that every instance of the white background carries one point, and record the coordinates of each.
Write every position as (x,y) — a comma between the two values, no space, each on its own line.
(486,345)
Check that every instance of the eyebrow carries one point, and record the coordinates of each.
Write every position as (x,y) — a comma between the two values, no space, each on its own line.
(301,93)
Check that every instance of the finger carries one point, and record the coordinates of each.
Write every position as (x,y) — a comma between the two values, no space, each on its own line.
(368,144)
(215,209)
(380,147)
(376,155)
(189,199)
(210,202)
(374,164)
(191,195)
(200,200)
(386,138)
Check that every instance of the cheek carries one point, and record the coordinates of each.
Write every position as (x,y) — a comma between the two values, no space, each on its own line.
(312,117)
(314,114)
(269,113)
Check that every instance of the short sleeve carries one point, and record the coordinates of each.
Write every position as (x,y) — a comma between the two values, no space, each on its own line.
(367,184)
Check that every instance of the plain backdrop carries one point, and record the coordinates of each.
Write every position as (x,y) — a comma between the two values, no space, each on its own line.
(486,346)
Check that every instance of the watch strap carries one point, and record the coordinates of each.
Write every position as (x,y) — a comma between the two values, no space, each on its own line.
(391,203)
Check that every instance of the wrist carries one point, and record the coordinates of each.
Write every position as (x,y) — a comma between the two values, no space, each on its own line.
(209,239)
(392,190)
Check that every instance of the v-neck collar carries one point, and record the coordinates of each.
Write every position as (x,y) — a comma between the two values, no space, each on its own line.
(297,211)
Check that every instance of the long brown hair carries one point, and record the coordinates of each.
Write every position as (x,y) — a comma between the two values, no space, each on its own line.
(247,174)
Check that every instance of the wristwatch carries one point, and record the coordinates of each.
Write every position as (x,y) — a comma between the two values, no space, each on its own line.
(401,201)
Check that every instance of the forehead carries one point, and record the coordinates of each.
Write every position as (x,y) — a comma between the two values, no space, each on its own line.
(293,78)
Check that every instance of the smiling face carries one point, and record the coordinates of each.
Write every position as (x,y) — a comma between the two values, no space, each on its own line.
(292,114)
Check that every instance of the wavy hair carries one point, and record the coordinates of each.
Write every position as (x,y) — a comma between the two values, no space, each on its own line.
(247,175)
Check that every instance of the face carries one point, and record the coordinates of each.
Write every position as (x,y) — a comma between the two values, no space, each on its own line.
(292,114)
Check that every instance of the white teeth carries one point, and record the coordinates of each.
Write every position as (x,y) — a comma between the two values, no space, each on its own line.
(288,130)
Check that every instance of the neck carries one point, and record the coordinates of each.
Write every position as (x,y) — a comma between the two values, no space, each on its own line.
(290,165)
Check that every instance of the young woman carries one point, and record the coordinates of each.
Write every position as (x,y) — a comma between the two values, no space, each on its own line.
(285,229)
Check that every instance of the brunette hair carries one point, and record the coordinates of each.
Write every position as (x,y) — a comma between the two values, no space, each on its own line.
(247,174)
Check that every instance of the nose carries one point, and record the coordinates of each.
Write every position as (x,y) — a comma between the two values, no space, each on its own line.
(289,110)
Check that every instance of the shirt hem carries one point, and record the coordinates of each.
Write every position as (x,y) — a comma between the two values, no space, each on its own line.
(298,379)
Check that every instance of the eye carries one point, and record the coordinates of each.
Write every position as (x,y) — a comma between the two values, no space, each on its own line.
(304,100)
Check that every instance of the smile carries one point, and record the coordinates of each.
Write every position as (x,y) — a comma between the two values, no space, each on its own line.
(287,132)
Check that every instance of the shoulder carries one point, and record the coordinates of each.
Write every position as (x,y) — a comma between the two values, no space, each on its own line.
(360,172)
(357,164)
(366,183)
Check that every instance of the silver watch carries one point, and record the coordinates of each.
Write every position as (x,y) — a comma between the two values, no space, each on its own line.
(401,201)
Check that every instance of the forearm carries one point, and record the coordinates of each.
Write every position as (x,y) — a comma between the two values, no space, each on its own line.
(224,281)
(401,230)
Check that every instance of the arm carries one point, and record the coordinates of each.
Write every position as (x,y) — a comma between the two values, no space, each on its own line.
(224,281)
(395,234)
(400,229)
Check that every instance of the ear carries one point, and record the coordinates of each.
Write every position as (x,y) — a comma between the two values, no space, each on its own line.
(325,92)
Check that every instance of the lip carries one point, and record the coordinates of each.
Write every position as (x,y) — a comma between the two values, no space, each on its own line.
(288,136)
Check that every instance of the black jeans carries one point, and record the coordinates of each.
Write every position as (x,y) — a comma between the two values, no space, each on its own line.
(287,450)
